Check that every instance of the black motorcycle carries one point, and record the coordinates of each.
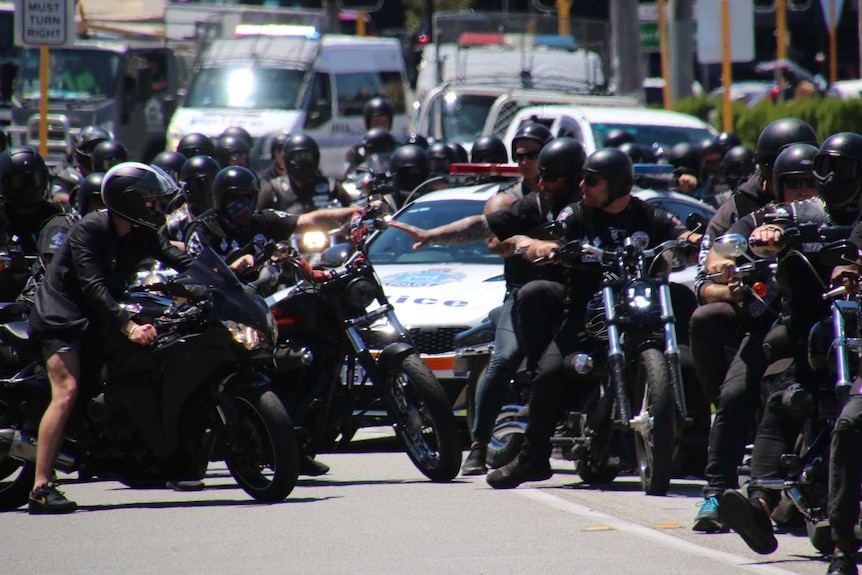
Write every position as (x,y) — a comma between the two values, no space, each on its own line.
(628,356)
(162,411)
(338,336)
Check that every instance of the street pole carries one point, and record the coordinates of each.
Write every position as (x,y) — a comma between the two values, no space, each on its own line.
(667,99)
(681,38)
(331,17)
(625,37)
(726,69)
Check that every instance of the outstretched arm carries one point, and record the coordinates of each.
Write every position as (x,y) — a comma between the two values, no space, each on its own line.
(463,231)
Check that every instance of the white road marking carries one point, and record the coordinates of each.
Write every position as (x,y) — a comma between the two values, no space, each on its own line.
(648,533)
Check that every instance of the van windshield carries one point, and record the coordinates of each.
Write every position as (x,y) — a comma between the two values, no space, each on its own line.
(244,87)
(73,74)
(463,116)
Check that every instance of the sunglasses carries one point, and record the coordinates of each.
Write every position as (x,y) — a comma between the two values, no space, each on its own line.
(238,197)
(591,180)
(550,178)
(235,156)
(809,182)
(532,155)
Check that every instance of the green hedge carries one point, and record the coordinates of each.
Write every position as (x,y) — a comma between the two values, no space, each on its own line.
(826,115)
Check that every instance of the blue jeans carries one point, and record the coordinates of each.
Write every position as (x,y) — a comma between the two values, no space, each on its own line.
(505,359)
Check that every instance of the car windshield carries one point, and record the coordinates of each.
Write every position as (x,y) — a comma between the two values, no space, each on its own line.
(395,247)
(73,74)
(665,136)
(463,116)
(245,87)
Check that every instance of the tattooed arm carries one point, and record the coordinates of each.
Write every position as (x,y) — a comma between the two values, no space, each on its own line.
(463,231)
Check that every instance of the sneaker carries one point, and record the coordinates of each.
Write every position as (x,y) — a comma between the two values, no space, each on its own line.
(475,462)
(311,467)
(185,484)
(750,519)
(517,472)
(707,519)
(842,564)
(48,499)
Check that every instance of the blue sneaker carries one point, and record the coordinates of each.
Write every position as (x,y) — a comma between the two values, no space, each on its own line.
(707,519)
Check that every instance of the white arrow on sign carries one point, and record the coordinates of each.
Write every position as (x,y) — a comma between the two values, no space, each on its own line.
(827,13)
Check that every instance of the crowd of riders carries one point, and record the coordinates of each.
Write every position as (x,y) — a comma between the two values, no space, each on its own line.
(75,235)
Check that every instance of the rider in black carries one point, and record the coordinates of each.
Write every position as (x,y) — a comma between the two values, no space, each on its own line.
(410,167)
(605,216)
(108,154)
(488,150)
(196,180)
(64,182)
(276,172)
(195,144)
(76,306)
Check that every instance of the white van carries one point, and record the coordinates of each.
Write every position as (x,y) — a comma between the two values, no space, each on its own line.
(300,84)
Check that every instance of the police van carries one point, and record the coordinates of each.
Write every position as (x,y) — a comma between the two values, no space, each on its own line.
(299,83)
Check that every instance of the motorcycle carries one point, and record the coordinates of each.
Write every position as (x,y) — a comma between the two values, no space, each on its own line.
(330,326)
(628,356)
(162,411)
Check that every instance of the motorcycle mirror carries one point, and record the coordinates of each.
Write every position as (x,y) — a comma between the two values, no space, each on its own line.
(838,253)
(550,231)
(336,255)
(730,245)
(696,223)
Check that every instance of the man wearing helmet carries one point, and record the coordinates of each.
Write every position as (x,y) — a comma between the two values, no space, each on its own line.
(835,168)
(76,305)
(195,144)
(64,181)
(606,214)
(302,188)
(196,179)
(410,167)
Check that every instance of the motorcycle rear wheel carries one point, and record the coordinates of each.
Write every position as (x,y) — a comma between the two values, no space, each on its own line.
(266,440)
(652,403)
(16,481)
(422,418)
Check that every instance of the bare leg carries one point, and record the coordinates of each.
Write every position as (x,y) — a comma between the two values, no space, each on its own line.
(64,371)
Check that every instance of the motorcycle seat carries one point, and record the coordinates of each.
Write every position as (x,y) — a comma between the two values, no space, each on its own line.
(10,310)
(18,330)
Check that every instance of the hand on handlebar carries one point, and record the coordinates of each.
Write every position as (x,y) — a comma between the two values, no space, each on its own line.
(242,264)
(722,271)
(143,334)
(766,240)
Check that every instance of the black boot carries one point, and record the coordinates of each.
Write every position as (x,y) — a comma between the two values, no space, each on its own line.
(518,471)
(475,462)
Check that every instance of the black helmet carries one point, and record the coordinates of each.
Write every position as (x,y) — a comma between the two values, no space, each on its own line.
(411,166)
(65,181)
(301,157)
(563,158)
(737,165)
(617,137)
(231,148)
(532,131)
(377,107)
(794,159)
(238,132)
(23,178)
(90,189)
(685,159)
(709,146)
(196,179)
(637,153)
(233,179)
(196,144)
(615,167)
(108,154)
(837,168)
(489,150)
(134,191)
(728,140)
(777,136)
(87,139)
(378,141)
(171,163)
(276,144)
(461,155)
(440,157)
(420,140)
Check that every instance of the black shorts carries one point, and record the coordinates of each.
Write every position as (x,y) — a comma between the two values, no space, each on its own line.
(56,342)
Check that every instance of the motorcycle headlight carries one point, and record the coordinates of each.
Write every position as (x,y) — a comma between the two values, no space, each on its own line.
(314,241)
(640,296)
(246,336)
(360,293)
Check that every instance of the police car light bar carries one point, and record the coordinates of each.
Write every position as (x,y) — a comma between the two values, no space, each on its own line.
(469,39)
(505,170)
(243,30)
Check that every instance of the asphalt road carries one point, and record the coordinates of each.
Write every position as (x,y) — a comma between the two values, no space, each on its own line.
(374,513)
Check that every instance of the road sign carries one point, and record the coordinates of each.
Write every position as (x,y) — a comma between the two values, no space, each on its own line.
(44,23)
(709,34)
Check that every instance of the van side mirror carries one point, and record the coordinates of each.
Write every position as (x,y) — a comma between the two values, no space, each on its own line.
(319,113)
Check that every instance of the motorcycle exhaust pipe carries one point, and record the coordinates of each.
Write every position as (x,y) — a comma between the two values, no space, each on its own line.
(19,445)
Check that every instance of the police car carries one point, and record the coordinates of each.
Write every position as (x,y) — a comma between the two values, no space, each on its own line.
(441,290)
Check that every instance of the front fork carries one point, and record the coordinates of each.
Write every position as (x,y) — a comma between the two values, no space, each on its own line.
(616,359)
(671,353)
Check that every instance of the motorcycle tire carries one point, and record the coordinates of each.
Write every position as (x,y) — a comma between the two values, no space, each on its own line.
(652,401)
(265,440)
(820,535)
(16,481)
(422,417)
(506,442)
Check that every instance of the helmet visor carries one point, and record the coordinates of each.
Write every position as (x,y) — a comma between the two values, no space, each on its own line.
(835,169)
(27,181)
(155,183)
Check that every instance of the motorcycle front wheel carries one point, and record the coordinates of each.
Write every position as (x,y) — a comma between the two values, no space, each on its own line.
(422,418)
(654,421)
(262,453)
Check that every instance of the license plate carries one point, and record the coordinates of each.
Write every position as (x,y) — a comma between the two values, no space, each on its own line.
(358,375)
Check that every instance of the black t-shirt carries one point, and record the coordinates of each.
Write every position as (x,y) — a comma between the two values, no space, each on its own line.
(23,229)
(605,230)
(264,225)
(91,270)
(522,218)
